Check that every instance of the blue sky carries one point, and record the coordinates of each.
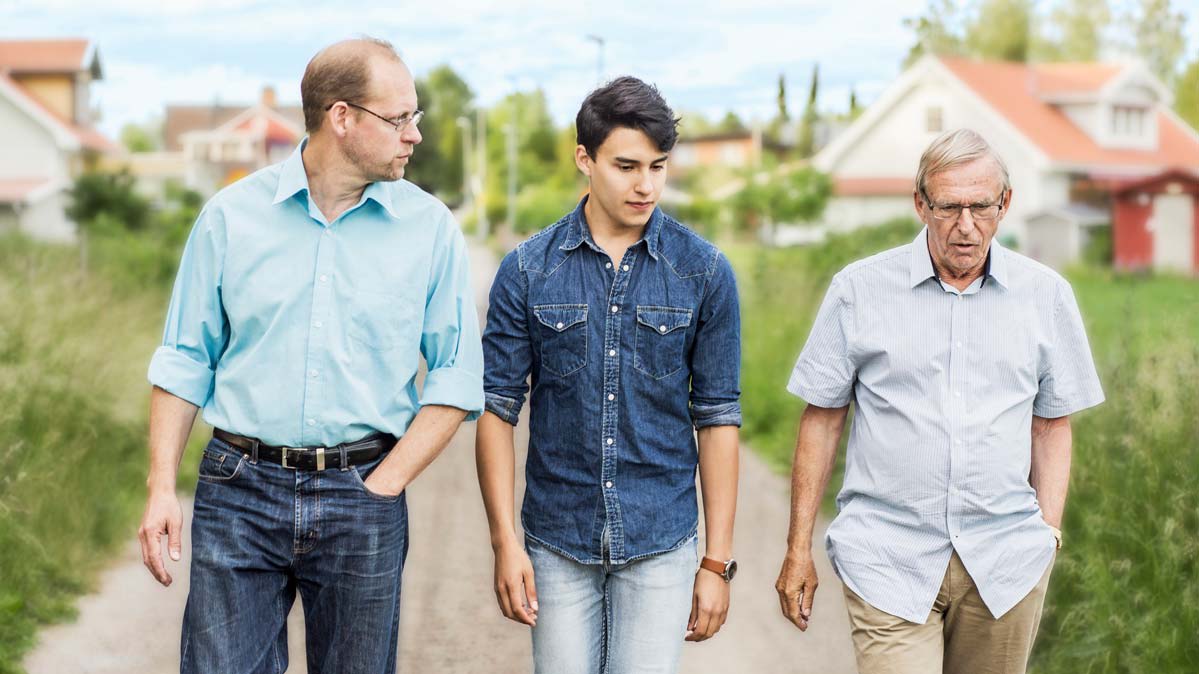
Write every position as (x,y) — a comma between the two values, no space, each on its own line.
(704,56)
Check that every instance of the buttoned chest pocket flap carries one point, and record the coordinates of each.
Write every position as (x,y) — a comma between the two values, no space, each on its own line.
(660,340)
(380,320)
(563,337)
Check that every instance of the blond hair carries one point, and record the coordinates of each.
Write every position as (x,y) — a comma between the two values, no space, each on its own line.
(955,148)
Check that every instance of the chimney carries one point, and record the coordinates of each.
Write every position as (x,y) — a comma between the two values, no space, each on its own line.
(268,97)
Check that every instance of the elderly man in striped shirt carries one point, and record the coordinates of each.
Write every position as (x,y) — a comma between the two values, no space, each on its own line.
(964,360)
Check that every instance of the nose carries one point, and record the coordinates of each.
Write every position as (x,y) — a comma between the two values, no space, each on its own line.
(645,184)
(411,134)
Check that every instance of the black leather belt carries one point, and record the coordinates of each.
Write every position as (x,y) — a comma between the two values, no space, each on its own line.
(312,458)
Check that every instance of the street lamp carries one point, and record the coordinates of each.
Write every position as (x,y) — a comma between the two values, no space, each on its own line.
(599,60)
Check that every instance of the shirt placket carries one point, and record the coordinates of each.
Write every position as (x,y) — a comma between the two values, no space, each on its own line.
(318,322)
(610,443)
(956,413)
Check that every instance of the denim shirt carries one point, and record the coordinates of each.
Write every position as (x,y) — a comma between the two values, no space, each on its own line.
(624,361)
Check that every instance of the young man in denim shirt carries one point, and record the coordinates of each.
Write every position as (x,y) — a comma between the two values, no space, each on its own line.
(628,324)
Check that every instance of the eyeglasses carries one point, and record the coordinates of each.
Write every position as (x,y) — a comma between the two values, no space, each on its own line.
(399,123)
(984,212)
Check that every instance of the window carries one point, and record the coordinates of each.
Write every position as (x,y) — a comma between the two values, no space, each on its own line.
(1128,121)
(933,122)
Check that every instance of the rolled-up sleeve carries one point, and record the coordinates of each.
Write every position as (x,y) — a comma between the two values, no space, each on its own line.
(716,356)
(450,337)
(197,329)
(1067,382)
(824,375)
(506,348)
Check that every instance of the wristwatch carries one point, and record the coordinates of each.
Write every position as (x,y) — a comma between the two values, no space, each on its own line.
(725,570)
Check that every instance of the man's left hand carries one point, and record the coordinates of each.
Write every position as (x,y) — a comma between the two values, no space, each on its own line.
(709,606)
(377,483)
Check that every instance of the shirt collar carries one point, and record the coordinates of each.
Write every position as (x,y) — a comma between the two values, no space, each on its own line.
(921,262)
(578,232)
(293,180)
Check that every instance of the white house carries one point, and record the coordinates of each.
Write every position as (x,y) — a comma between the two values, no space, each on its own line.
(1068,132)
(46,131)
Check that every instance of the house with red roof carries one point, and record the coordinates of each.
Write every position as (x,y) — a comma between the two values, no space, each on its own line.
(222,143)
(1075,137)
(47,131)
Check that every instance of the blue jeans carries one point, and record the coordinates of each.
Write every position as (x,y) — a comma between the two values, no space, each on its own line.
(260,533)
(611,619)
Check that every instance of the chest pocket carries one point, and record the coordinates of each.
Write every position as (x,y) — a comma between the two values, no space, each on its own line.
(563,337)
(660,338)
(379,321)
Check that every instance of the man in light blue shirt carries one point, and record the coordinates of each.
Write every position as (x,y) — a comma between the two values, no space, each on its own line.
(964,361)
(305,298)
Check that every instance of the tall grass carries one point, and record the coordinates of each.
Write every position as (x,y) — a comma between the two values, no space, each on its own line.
(73,397)
(1125,590)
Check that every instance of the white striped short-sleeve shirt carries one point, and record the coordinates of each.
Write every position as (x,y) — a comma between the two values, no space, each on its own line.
(945,385)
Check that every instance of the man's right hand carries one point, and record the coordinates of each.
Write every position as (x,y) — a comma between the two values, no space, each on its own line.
(797,586)
(163,516)
(514,587)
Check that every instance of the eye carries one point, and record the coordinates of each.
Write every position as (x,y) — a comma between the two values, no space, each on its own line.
(626,167)
(658,167)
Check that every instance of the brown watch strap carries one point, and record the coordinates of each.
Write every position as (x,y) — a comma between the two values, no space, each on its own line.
(714,565)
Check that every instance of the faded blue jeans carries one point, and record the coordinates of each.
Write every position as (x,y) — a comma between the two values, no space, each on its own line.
(260,533)
(611,618)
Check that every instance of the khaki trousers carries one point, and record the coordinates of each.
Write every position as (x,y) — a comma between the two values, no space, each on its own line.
(960,636)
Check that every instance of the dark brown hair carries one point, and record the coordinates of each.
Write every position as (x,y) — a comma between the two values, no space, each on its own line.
(340,72)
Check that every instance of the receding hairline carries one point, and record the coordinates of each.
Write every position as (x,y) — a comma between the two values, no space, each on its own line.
(357,47)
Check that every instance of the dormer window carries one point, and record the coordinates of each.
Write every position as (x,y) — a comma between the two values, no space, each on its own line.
(933,121)
(1129,121)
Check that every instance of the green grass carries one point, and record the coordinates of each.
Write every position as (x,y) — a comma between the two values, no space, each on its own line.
(1125,590)
(73,407)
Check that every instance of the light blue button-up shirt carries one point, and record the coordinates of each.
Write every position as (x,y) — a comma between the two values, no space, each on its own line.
(945,384)
(301,332)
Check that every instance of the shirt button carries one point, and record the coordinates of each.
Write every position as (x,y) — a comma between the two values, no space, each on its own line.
(312,422)
(611,396)
(607,265)
(324,278)
(608,484)
(610,441)
(328,233)
(559,326)
(662,328)
(958,394)
(612,352)
(626,267)
(318,324)
(615,308)
(959,345)
(312,373)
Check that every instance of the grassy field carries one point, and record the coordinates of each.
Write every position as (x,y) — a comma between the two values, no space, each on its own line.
(73,400)
(1125,591)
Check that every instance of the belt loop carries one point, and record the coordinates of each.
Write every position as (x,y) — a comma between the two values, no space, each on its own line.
(254,451)
(345,465)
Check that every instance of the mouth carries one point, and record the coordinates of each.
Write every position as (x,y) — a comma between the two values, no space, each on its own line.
(640,205)
(963,247)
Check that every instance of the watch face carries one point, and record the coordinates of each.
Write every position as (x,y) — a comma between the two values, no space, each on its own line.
(730,570)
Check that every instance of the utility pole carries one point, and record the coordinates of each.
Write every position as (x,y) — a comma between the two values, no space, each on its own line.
(467,191)
(599,59)
(481,174)
(512,169)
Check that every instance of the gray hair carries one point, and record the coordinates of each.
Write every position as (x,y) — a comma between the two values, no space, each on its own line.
(955,148)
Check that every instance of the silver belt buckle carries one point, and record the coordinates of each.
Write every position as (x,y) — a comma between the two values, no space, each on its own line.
(283,453)
(320,458)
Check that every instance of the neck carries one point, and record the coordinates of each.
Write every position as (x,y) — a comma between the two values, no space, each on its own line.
(333,182)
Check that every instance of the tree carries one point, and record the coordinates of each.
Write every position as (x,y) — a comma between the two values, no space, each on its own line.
(1079,25)
(937,31)
(807,129)
(445,97)
(771,197)
(731,123)
(854,108)
(1002,30)
(783,117)
(1186,94)
(1157,30)
(141,138)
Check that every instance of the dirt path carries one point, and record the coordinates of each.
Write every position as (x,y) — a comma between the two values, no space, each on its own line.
(450,622)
